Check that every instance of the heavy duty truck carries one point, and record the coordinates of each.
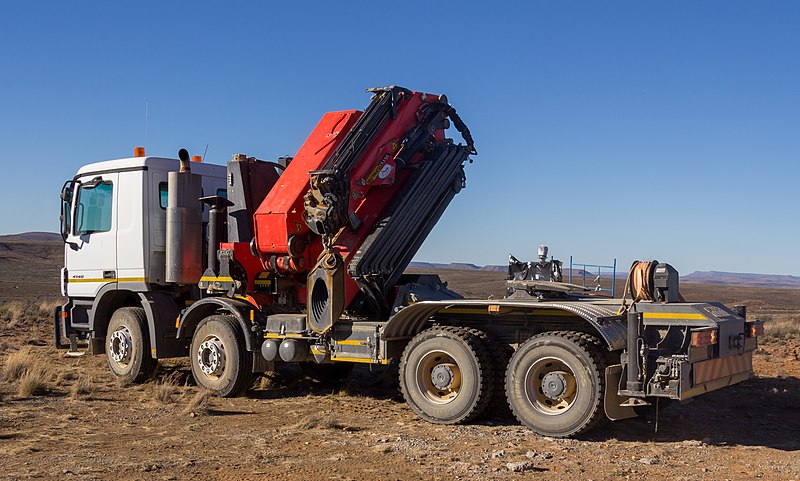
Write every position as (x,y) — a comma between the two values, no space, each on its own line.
(302,260)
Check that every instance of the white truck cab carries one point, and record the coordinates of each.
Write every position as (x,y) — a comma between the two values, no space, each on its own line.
(113,221)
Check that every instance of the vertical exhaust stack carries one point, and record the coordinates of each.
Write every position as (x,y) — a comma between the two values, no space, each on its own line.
(184,224)
(216,230)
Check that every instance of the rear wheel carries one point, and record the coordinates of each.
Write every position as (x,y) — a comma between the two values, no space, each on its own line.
(446,375)
(128,346)
(555,382)
(220,361)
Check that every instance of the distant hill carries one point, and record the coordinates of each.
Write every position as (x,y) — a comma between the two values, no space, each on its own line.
(461,266)
(743,279)
(30,266)
(31,236)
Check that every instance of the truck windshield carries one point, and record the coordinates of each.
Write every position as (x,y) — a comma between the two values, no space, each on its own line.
(93,209)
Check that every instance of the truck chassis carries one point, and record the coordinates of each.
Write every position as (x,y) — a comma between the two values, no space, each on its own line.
(304,264)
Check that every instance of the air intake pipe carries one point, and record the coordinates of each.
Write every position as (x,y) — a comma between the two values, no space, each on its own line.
(184,254)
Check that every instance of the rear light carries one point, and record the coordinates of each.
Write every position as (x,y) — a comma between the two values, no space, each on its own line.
(706,337)
(754,329)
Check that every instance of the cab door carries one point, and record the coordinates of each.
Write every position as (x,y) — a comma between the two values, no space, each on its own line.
(91,255)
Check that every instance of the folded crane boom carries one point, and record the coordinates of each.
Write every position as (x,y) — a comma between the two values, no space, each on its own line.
(372,185)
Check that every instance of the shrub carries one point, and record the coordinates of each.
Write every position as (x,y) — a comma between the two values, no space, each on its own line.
(34,382)
(17,364)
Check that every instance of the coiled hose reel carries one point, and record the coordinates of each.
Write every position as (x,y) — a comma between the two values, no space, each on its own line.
(651,281)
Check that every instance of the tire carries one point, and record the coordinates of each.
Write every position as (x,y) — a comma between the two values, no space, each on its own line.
(446,375)
(220,361)
(128,346)
(500,354)
(555,383)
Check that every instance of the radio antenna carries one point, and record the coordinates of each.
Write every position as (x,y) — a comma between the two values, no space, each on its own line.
(205,152)
(146,101)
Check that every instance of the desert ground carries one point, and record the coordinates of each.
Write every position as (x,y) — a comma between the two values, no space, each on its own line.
(66,417)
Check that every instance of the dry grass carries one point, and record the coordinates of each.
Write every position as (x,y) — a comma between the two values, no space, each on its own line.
(121,382)
(34,382)
(45,308)
(199,405)
(325,421)
(263,383)
(165,389)
(269,380)
(30,371)
(65,377)
(18,363)
(83,388)
(781,325)
(14,312)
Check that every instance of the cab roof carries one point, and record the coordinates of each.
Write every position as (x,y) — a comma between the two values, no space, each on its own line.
(155,163)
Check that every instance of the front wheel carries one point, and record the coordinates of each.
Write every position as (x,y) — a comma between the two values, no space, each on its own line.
(220,361)
(128,347)
(554,383)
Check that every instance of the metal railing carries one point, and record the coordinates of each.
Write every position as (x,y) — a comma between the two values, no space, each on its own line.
(585,267)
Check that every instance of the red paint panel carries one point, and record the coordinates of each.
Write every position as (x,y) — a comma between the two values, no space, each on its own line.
(280,215)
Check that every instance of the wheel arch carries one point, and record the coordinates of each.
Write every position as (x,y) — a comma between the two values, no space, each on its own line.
(240,310)
(108,300)
(594,319)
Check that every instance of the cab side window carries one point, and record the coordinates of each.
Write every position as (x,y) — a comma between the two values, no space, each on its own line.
(93,209)
(163,195)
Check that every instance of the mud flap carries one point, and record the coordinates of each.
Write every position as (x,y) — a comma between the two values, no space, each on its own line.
(612,400)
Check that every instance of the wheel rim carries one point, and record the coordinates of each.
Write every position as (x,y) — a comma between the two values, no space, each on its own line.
(211,356)
(120,346)
(438,377)
(550,386)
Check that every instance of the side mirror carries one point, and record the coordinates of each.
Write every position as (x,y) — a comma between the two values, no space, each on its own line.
(67,192)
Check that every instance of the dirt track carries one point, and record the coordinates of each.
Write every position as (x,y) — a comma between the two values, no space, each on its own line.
(296,429)
(305,431)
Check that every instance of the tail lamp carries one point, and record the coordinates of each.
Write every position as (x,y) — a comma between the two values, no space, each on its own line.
(704,337)
(754,329)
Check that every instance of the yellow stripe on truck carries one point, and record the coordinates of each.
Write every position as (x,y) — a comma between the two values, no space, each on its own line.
(121,279)
(365,360)
(674,315)
(216,279)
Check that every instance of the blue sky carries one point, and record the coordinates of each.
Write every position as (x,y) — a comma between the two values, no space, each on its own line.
(628,130)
